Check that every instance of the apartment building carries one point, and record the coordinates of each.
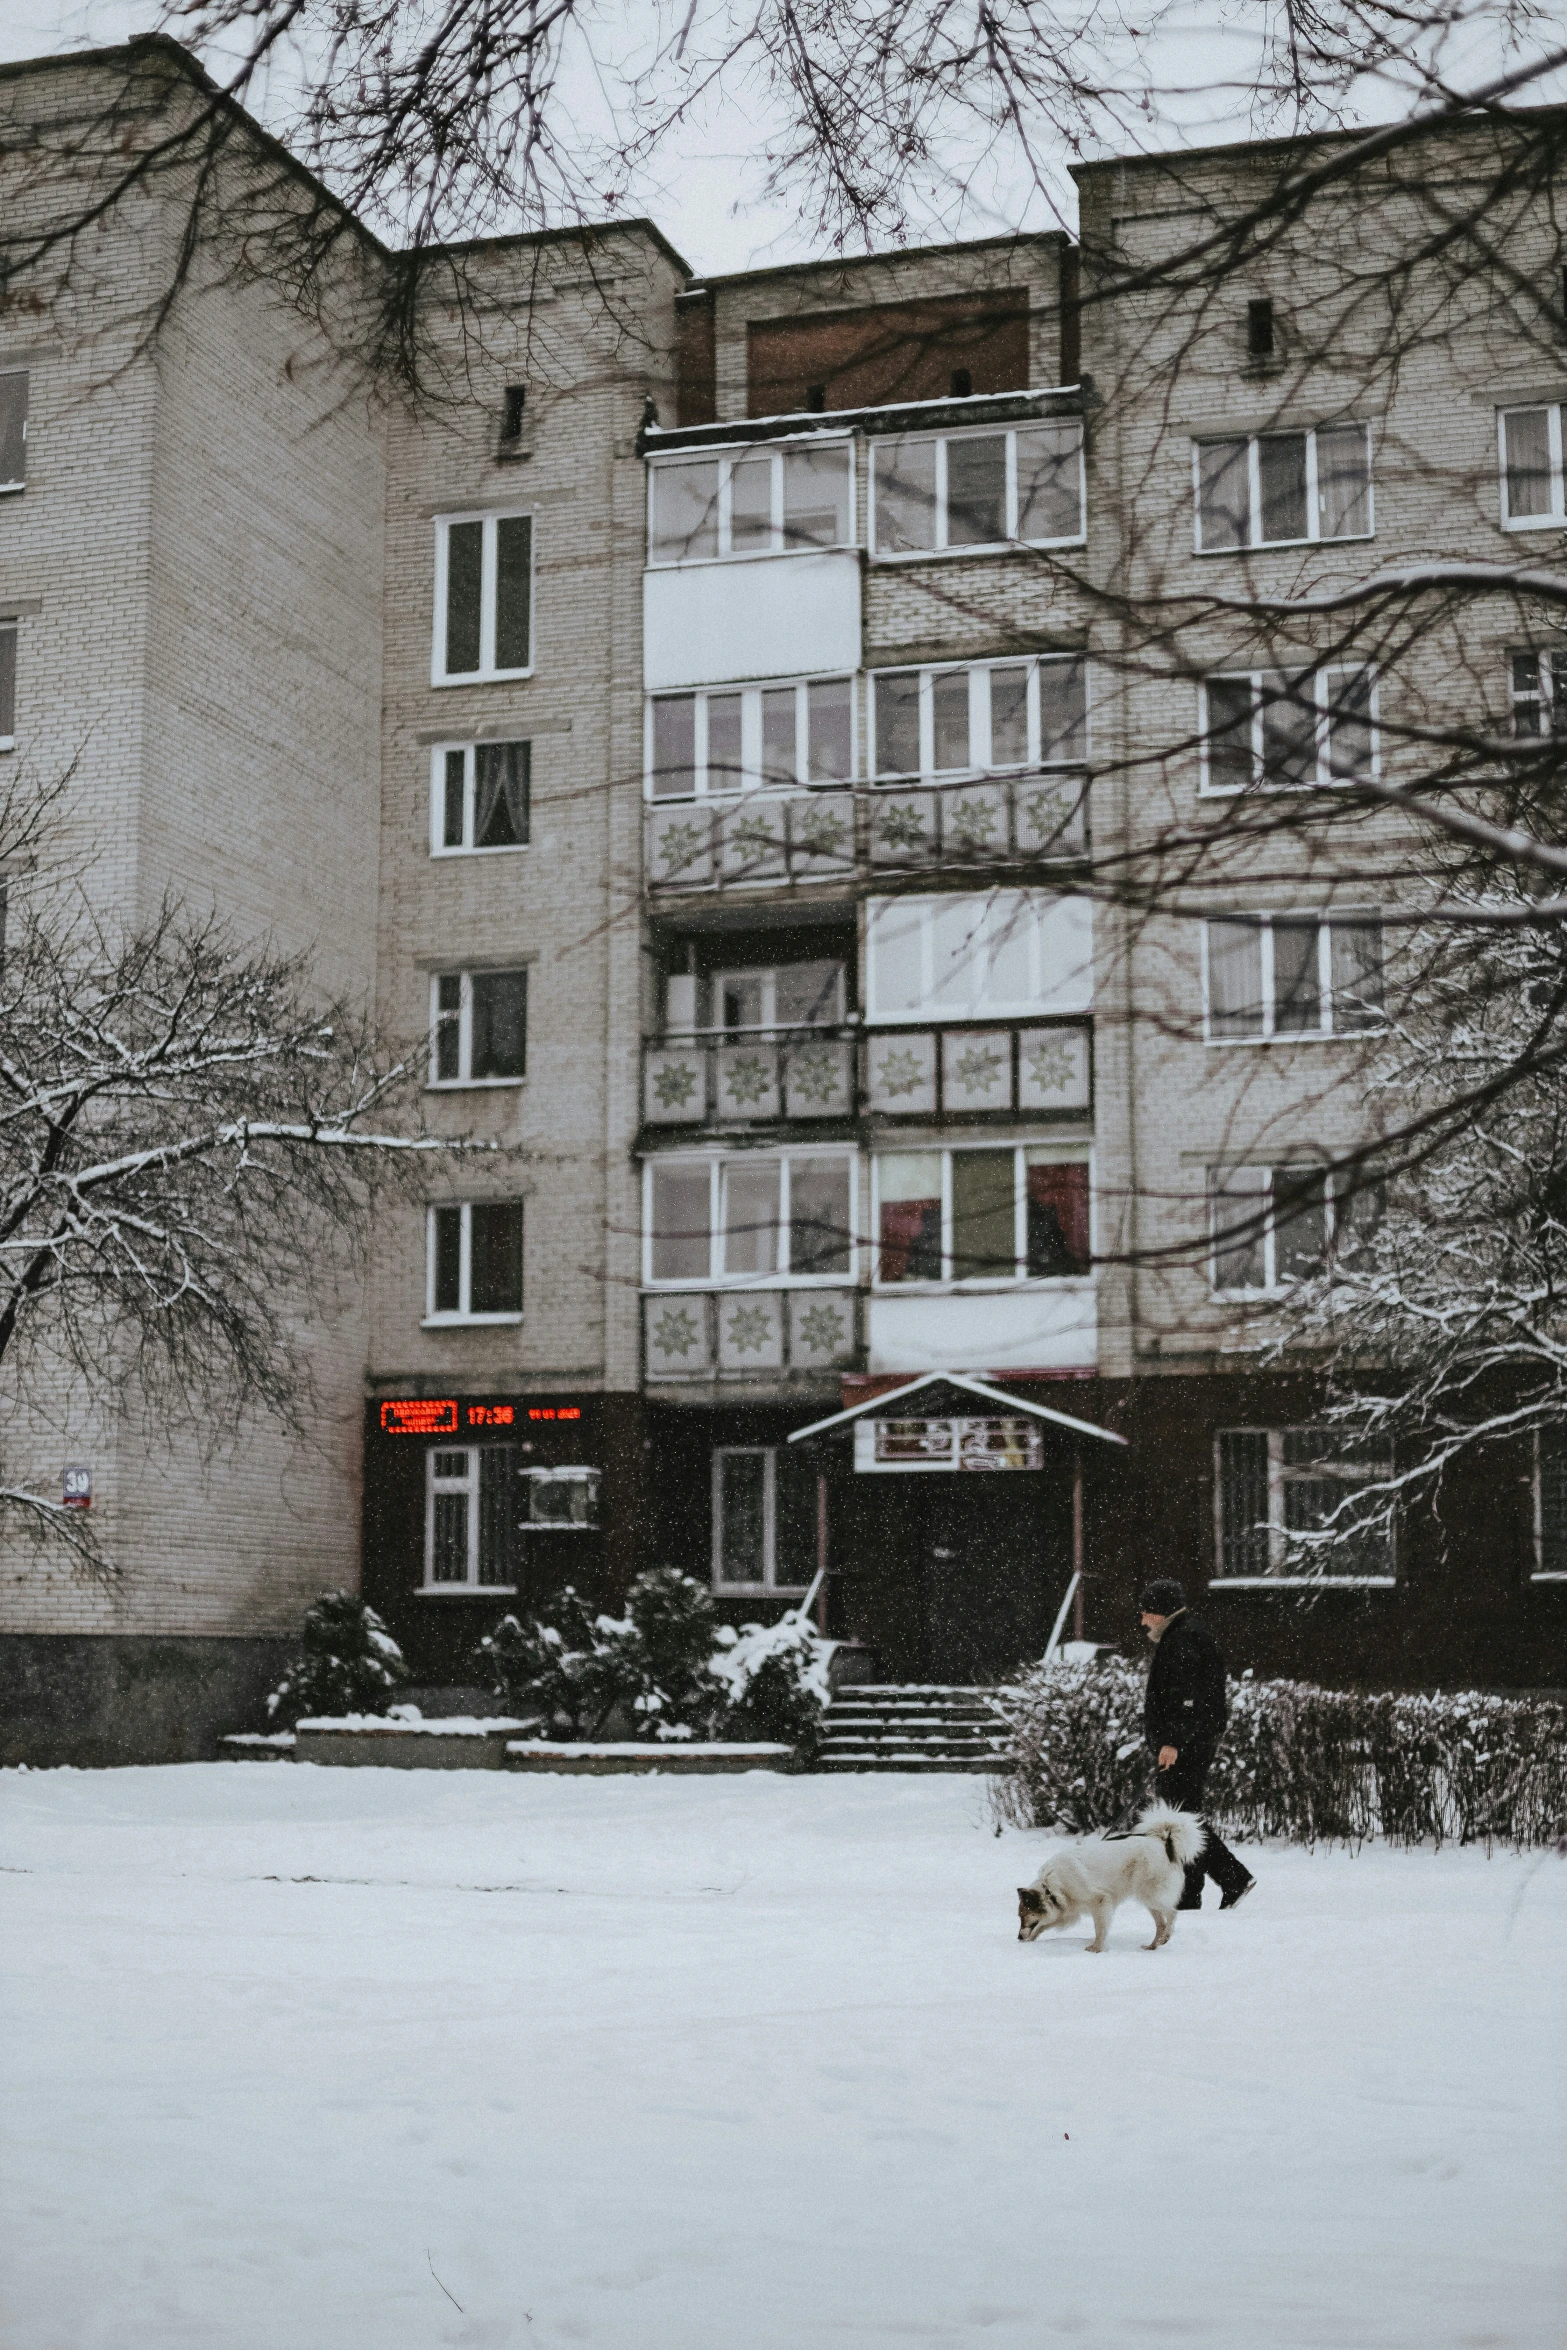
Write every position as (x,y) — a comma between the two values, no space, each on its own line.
(714,722)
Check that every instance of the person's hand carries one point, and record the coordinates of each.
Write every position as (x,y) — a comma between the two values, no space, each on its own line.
(1167,1758)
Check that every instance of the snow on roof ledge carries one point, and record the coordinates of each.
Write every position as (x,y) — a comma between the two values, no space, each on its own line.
(970,1386)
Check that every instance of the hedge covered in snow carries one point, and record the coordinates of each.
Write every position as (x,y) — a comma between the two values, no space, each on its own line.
(1313,1765)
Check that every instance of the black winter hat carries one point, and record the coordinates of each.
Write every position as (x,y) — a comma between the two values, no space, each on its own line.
(1164,1598)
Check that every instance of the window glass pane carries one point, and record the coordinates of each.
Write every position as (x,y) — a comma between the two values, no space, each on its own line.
(449,1559)
(502,794)
(909,1194)
(1057,1216)
(1281,483)
(685,511)
(894,957)
(816,496)
(960,938)
(809,994)
(1235,978)
(1528,441)
(898,722)
(905,491)
(1227,733)
(7,683)
(1010,920)
(674,747)
(741,1516)
(1244,1547)
(13,430)
(1300,1221)
(448,1024)
(500,1023)
(448,1260)
(949,716)
(742,999)
(778,744)
(1343,483)
(681,1210)
(830,753)
(1009,717)
(1238,1199)
(1320,1472)
(513,590)
(1049,482)
(1223,494)
(751,505)
(1527,695)
(1063,712)
(748,1216)
(464,570)
(794,1517)
(1355,947)
(819,1231)
(495,1279)
(452,779)
(1553,1502)
(497,1513)
(1349,727)
(1289,733)
(977,491)
(724,712)
(984,1225)
(1297,986)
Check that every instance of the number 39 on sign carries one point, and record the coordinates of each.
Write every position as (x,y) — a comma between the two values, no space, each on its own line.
(76,1487)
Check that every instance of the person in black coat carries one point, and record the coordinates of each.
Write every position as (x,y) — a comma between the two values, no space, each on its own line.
(1185,1709)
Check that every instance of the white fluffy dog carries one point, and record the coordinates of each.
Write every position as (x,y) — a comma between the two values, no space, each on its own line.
(1093,1878)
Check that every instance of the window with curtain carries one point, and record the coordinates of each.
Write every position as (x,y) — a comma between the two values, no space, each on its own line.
(481,797)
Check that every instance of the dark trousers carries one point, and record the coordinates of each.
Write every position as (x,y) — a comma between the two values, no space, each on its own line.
(1182,1785)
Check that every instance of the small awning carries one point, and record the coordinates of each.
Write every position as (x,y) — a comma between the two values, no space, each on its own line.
(970,1386)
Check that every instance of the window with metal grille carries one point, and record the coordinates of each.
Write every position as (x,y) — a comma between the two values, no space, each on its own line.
(471,1513)
(1274,1485)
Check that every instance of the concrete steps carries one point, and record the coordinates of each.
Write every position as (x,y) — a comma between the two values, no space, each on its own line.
(915,1726)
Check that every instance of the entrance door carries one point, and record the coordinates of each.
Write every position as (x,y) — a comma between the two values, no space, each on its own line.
(996,1556)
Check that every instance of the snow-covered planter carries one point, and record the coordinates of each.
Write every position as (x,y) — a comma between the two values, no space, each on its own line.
(1313,1765)
(351,1663)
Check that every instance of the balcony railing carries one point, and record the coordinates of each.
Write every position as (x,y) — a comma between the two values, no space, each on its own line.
(864,832)
(751,1333)
(1006,1066)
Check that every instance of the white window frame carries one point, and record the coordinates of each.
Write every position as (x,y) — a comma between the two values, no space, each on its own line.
(716,1162)
(769,1582)
(467,847)
(1327,1031)
(767,973)
(1313,536)
(486,673)
(997,910)
(1273,1284)
(1549,702)
(1279,1474)
(464,1082)
(468,1486)
(1063,1154)
(462,1319)
(1075,538)
(1557,516)
(14,489)
(980,729)
(1322,696)
(745,454)
(1539,1571)
(751,776)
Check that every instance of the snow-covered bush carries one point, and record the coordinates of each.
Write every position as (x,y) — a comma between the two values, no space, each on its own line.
(666,1664)
(350,1664)
(1311,1764)
(775,1682)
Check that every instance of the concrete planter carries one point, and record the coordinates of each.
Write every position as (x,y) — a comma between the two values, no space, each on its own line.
(599,1761)
(462,1745)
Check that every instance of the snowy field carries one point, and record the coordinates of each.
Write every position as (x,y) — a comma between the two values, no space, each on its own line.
(302,2059)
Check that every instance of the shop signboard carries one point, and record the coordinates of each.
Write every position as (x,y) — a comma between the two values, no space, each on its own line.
(917,1447)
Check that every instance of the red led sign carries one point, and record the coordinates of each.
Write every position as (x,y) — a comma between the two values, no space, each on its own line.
(555,1411)
(489,1415)
(419,1415)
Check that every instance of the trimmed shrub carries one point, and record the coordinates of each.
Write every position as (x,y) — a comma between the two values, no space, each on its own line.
(557,1676)
(1313,1765)
(351,1663)
(775,1682)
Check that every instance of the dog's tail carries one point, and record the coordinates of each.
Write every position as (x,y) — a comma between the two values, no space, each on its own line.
(1180,1832)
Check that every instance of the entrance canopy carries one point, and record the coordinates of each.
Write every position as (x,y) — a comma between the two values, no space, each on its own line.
(897,1397)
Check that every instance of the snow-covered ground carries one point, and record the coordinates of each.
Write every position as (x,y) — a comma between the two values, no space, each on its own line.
(302,2059)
